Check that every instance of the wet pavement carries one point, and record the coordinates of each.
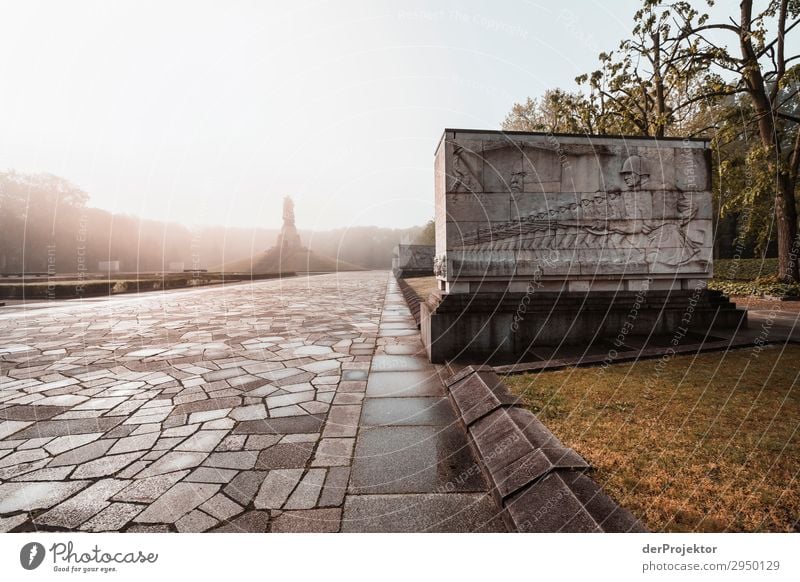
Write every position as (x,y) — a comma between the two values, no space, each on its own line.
(296,405)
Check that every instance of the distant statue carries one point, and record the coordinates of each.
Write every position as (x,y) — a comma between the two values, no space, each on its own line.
(288,239)
(288,211)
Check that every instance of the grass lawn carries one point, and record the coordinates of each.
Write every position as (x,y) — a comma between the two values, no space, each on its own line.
(701,443)
(422,286)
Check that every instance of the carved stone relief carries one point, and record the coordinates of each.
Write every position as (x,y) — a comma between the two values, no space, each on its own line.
(614,207)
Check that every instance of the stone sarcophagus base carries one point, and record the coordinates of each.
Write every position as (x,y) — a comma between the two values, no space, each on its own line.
(506,327)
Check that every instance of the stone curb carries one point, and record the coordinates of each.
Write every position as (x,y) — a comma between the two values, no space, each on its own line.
(540,484)
(411,297)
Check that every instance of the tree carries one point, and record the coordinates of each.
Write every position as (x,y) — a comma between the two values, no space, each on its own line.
(763,73)
(36,210)
(656,80)
(558,111)
(428,234)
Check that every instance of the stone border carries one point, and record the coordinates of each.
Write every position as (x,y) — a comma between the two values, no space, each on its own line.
(540,484)
(412,299)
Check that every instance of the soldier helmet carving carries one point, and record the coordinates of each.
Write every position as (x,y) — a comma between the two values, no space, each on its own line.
(634,171)
(635,165)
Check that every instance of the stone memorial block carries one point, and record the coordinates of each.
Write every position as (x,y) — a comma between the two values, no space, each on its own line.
(564,214)
(574,211)
(413,260)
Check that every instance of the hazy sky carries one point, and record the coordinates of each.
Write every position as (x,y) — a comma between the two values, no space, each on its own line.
(213,111)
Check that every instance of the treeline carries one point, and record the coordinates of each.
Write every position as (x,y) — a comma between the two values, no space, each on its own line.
(46,225)
(732,79)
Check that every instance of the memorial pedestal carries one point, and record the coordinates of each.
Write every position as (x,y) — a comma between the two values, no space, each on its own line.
(505,327)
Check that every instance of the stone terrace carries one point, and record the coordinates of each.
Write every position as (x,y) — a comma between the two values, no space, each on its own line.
(294,405)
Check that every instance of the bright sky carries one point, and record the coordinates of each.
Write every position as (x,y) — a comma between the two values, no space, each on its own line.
(211,112)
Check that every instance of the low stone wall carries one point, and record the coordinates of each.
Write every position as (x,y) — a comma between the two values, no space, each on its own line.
(58,288)
(541,485)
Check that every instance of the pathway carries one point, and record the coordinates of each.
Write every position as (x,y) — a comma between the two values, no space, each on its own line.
(294,405)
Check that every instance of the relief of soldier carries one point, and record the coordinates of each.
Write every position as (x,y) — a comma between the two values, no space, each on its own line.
(608,219)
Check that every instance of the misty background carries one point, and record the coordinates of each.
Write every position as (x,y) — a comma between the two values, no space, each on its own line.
(126,123)
(211,113)
(46,224)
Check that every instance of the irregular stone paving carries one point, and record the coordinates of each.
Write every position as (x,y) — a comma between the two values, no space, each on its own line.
(293,405)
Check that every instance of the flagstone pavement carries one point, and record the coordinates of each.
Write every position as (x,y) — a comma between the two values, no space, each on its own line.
(301,404)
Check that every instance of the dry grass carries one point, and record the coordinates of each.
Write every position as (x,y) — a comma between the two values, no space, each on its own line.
(705,443)
(422,286)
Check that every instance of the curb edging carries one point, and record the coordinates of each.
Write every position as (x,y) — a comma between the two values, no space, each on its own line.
(412,299)
(540,484)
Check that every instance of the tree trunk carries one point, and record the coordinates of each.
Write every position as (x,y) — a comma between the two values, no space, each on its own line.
(661,105)
(785,208)
(785,205)
(786,220)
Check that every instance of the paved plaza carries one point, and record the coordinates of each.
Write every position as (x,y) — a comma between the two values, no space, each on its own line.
(288,405)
